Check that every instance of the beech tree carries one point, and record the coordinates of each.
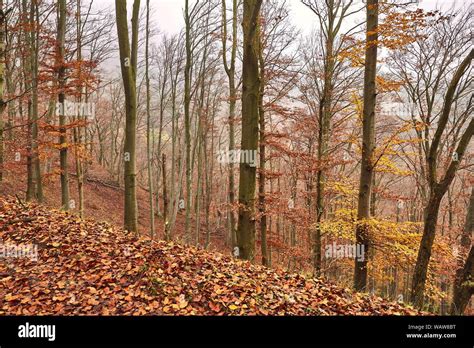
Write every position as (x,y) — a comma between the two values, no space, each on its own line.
(463,287)
(331,16)
(148,121)
(230,70)
(34,182)
(63,141)
(128,63)
(439,186)
(368,142)
(250,117)
(3,103)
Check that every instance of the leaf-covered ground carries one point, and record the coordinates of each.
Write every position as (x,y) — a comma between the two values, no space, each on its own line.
(90,268)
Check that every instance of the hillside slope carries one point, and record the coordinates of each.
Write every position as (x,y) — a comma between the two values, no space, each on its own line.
(104,200)
(90,268)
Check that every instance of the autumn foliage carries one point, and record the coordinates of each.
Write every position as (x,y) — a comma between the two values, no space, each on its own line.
(90,268)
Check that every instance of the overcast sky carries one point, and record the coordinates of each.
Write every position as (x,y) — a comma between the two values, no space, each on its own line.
(168,16)
(169,13)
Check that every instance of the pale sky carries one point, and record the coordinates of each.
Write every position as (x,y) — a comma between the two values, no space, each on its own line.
(169,13)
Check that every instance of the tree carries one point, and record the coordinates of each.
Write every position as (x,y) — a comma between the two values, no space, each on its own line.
(230,71)
(330,17)
(148,122)
(250,119)
(439,188)
(463,287)
(3,104)
(34,188)
(262,148)
(128,63)
(368,143)
(63,145)
(187,113)
(196,21)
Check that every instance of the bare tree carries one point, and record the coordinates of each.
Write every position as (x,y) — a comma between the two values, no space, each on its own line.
(331,15)
(439,187)
(63,151)
(128,63)
(229,68)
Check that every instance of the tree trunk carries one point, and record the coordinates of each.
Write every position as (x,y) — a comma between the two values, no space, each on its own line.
(165,199)
(325,115)
(424,254)
(63,150)
(78,140)
(34,184)
(128,63)
(368,143)
(262,146)
(249,141)
(187,121)
(148,123)
(463,287)
(230,71)
(2,81)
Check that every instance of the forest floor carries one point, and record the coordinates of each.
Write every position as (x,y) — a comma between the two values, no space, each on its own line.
(84,267)
(103,201)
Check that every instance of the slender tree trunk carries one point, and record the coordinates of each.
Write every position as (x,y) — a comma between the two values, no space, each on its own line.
(63,143)
(323,136)
(249,142)
(165,199)
(197,203)
(27,73)
(148,123)
(262,146)
(78,139)
(128,62)
(368,144)
(2,82)
(230,71)
(463,287)
(160,132)
(187,120)
(11,88)
(176,190)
